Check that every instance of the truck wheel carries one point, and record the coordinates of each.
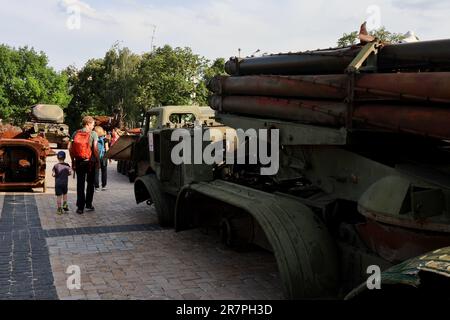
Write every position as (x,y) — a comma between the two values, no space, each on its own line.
(164,203)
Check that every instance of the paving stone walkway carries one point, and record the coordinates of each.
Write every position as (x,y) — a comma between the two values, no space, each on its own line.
(25,270)
(121,251)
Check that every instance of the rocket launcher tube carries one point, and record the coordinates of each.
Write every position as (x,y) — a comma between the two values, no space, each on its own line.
(421,55)
(426,120)
(426,86)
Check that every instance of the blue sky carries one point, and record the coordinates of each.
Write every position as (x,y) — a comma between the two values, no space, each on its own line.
(211,28)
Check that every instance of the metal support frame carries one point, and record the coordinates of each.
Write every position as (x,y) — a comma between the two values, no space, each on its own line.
(368,55)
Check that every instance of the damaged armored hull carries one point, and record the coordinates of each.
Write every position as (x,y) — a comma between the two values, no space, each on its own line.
(22,159)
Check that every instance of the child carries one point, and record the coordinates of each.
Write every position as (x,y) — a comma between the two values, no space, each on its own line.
(61,172)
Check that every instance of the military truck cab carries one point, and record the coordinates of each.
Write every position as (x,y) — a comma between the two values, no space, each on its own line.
(145,158)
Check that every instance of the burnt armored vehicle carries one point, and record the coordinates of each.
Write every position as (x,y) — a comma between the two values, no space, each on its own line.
(361,138)
(48,121)
(22,159)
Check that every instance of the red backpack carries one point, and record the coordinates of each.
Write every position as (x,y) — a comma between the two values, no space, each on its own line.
(81,148)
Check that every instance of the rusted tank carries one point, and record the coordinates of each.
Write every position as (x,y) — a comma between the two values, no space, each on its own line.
(22,164)
(22,159)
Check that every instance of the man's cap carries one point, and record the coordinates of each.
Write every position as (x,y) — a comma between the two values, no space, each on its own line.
(61,155)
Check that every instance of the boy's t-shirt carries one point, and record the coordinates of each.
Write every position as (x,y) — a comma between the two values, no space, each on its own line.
(62,173)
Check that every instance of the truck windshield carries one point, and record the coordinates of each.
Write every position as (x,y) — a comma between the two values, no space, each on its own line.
(182,118)
(153,121)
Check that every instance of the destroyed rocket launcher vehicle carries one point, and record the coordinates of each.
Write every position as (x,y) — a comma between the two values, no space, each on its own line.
(364,167)
(48,121)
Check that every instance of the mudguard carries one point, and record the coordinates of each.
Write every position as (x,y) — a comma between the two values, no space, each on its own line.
(304,250)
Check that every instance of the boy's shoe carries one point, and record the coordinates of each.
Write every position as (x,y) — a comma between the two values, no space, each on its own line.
(79,211)
(59,211)
(97,189)
(104,188)
(65,207)
(91,208)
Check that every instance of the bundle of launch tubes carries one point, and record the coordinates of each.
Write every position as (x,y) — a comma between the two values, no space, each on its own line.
(395,87)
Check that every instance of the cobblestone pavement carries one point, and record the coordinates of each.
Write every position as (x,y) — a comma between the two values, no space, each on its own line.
(121,251)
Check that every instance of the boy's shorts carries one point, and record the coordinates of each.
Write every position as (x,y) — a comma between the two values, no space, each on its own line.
(60,190)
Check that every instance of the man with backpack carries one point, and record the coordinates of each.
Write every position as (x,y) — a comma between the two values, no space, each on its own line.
(85,159)
(103,147)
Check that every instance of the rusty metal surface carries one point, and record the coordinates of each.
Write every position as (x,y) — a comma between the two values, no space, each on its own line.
(28,148)
(311,62)
(429,121)
(306,111)
(425,86)
(396,244)
(434,54)
(423,55)
(423,120)
(323,86)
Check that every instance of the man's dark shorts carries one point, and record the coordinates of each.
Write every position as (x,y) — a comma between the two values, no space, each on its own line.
(60,190)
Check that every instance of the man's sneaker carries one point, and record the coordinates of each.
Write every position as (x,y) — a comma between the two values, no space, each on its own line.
(59,211)
(79,211)
(97,189)
(65,207)
(104,188)
(91,208)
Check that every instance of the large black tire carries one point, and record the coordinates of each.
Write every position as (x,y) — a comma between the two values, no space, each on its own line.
(164,203)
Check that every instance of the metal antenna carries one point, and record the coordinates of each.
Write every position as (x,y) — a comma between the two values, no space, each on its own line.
(153,38)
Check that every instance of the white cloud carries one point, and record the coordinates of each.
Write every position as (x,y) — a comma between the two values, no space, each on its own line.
(211,28)
(85,10)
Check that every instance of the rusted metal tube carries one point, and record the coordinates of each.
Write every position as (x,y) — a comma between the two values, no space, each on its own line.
(422,55)
(327,86)
(427,86)
(423,120)
(415,55)
(305,111)
(432,121)
(312,62)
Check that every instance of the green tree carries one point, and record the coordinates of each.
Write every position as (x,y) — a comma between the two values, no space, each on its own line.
(104,85)
(381,33)
(217,67)
(170,76)
(135,83)
(25,80)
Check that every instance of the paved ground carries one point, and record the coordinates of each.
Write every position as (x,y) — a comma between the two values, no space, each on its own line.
(121,252)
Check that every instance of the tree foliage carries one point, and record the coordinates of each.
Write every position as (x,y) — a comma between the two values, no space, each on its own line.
(136,83)
(25,80)
(121,79)
(381,33)
(103,85)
